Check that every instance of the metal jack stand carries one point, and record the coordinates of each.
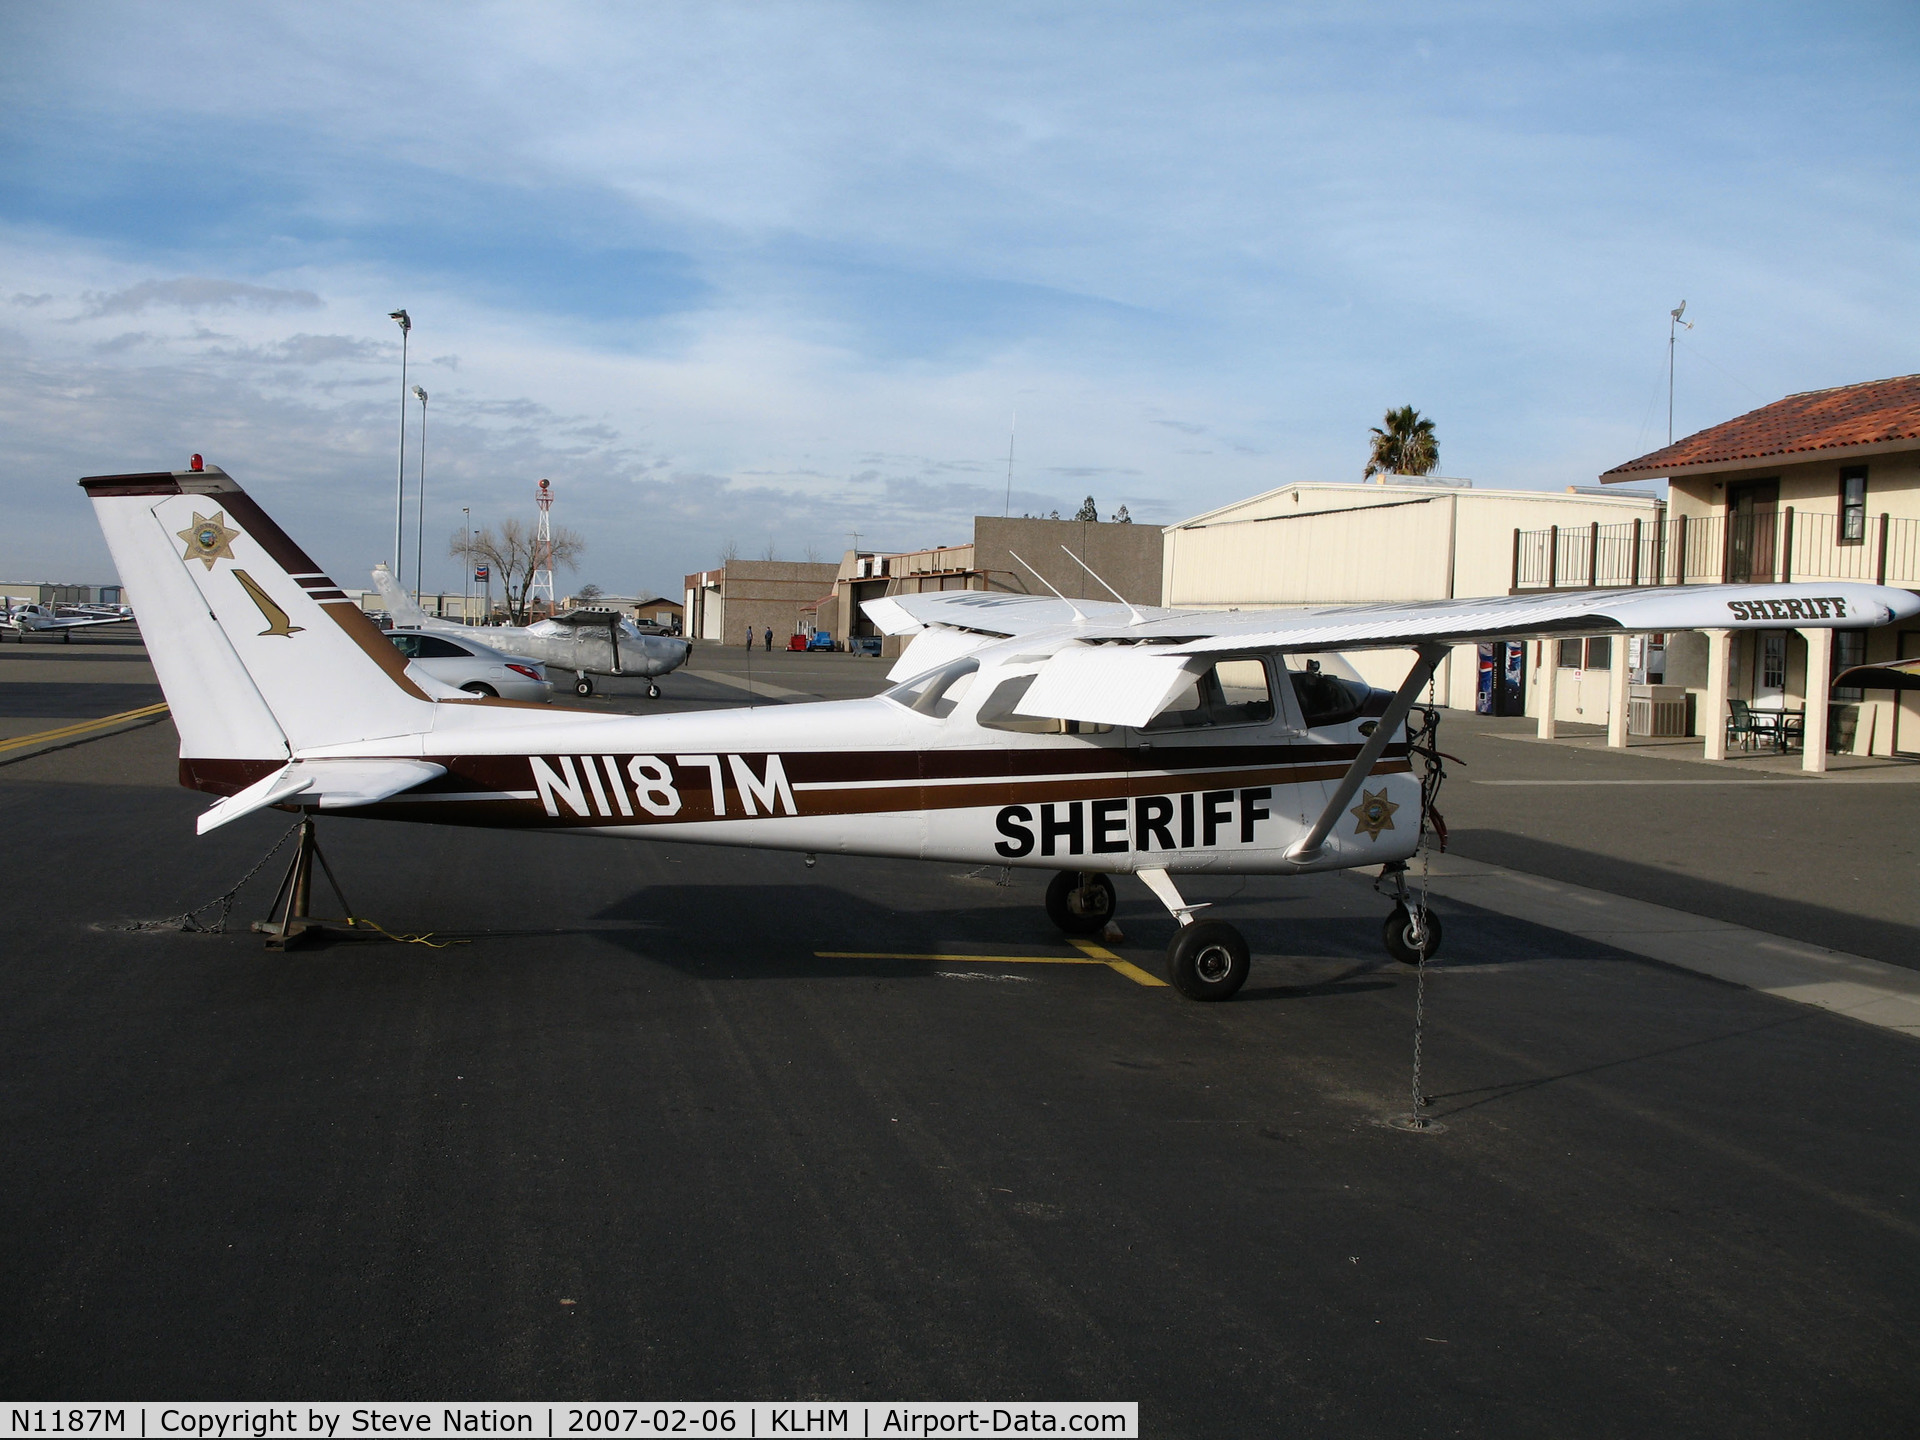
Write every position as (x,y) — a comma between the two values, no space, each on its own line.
(289,921)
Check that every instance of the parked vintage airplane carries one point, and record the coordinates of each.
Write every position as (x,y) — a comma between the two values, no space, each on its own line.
(587,642)
(1089,739)
(29,617)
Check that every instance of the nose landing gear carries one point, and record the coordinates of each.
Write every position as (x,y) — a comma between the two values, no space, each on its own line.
(1080,902)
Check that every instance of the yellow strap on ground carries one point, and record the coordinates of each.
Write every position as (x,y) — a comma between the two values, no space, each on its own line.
(354,922)
(82,727)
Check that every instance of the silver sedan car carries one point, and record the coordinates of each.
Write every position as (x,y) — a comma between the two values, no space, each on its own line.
(468,665)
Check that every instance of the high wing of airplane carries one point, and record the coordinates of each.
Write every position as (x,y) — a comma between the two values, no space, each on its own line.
(587,642)
(29,617)
(1093,740)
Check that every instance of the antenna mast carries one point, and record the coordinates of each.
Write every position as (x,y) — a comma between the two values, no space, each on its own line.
(1007,509)
(542,582)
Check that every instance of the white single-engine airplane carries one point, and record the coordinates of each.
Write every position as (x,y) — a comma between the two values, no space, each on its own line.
(587,642)
(29,617)
(1089,739)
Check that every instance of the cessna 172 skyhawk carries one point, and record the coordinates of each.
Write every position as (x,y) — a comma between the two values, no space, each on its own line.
(587,642)
(1089,739)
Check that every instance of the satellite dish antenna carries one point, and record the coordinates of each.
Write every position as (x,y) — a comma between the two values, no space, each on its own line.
(1680,311)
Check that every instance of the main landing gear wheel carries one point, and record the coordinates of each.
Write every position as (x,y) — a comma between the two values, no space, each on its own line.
(1400,939)
(1208,960)
(1080,903)
(653,692)
(583,686)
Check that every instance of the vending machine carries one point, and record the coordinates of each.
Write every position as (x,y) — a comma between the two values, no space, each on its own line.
(1502,688)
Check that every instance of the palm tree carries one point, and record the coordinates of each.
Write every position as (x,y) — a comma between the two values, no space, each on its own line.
(1405,447)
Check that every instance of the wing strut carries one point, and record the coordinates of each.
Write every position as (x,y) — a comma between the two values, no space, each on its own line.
(1311,844)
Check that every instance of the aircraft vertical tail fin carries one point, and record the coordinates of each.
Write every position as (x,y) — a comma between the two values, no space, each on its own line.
(257,650)
(399,604)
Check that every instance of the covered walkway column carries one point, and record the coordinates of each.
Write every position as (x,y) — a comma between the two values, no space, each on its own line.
(1813,737)
(1617,694)
(1549,688)
(1713,723)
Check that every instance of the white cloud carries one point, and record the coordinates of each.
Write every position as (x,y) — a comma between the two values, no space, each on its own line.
(196,293)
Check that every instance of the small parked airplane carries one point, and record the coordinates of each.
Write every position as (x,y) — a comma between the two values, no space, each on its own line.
(587,642)
(1092,739)
(30,617)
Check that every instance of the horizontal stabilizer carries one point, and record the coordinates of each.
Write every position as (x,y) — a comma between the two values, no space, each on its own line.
(1108,684)
(328,784)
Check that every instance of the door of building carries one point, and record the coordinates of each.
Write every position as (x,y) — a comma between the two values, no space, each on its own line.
(1770,667)
(1751,511)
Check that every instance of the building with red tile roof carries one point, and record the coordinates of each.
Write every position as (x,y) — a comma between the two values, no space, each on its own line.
(1849,421)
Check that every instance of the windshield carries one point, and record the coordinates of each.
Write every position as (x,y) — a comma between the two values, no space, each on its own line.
(936,692)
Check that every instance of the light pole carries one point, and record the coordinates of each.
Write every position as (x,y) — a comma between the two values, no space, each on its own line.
(466,573)
(1674,326)
(420,501)
(405,322)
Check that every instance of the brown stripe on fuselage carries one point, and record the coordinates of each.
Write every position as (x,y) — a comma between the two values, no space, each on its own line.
(468,775)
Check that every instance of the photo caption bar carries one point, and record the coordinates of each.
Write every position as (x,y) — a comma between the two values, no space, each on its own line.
(143,1420)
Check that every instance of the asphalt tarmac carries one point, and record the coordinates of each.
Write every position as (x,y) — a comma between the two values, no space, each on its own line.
(635,1136)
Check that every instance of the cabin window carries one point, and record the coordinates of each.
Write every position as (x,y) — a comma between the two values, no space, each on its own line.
(996,713)
(1229,692)
(938,691)
(1326,695)
(1853,505)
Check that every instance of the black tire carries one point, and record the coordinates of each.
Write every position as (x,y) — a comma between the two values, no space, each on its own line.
(1399,936)
(477,688)
(653,692)
(1077,910)
(583,687)
(1208,960)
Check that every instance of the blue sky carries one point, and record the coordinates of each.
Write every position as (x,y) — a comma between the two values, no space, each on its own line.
(771,273)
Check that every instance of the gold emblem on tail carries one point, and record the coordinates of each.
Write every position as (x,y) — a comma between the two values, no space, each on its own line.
(277,619)
(209,540)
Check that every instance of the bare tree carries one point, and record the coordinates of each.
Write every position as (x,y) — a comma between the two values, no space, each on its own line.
(772,551)
(509,550)
(729,553)
(813,553)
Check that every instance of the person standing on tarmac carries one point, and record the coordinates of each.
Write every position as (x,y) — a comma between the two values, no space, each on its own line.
(749,637)
(769,637)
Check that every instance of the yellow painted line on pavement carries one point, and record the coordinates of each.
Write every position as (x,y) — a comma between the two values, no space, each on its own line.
(1113,962)
(957,959)
(82,727)
(1090,954)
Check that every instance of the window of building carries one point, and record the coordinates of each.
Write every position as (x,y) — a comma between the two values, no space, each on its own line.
(1572,654)
(1773,660)
(1849,649)
(1600,652)
(1853,505)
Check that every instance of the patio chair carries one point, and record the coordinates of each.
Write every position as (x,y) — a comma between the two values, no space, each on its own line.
(1742,726)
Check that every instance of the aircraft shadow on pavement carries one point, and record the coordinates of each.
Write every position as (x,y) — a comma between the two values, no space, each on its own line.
(1782,915)
(759,931)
